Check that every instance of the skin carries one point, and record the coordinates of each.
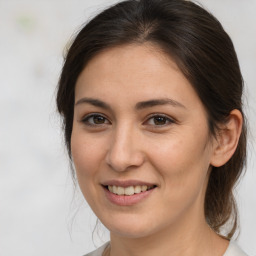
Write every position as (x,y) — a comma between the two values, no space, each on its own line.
(128,143)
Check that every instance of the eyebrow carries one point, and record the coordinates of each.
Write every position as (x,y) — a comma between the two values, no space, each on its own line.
(94,102)
(138,106)
(157,102)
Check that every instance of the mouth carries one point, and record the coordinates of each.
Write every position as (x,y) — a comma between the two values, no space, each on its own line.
(130,190)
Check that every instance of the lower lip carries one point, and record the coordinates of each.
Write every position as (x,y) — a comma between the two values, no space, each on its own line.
(127,200)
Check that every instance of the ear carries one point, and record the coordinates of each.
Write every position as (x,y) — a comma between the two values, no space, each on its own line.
(227,139)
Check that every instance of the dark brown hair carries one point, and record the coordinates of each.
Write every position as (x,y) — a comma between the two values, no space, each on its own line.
(195,39)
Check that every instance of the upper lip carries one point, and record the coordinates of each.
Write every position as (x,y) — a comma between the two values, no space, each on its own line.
(127,183)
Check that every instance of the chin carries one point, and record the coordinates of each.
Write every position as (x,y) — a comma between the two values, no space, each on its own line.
(131,232)
(130,228)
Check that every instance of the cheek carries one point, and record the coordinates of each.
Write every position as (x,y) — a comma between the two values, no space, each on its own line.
(175,154)
(86,154)
(183,163)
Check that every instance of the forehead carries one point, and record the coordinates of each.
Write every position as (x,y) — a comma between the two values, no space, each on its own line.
(135,72)
(133,57)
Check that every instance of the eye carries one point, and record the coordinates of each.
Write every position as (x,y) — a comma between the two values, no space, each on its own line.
(95,120)
(159,120)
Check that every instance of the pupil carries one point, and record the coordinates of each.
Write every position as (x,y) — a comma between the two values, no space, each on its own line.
(160,120)
(98,120)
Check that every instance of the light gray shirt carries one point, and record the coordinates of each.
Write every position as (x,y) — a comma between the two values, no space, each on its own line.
(232,250)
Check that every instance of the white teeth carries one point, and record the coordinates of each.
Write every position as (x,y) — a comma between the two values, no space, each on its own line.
(120,191)
(137,189)
(117,190)
(128,191)
(144,188)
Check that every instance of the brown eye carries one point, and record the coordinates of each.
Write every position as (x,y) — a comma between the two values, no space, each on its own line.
(159,120)
(98,119)
(95,120)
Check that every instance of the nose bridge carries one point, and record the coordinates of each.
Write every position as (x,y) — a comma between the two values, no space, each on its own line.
(124,150)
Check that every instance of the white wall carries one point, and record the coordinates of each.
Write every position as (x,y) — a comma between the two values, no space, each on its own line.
(36,213)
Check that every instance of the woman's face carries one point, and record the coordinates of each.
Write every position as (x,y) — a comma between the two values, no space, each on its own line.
(139,125)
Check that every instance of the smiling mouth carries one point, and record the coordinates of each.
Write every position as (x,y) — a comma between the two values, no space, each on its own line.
(128,191)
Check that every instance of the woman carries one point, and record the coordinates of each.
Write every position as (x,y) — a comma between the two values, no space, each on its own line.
(150,95)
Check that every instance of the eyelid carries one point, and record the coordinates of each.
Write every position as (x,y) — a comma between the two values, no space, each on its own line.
(171,120)
(168,118)
(87,117)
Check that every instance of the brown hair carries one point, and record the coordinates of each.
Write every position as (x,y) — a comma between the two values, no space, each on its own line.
(204,52)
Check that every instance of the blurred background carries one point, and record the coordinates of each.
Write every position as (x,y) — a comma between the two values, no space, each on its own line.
(39,212)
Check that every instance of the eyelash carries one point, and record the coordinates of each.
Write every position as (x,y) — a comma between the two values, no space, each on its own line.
(168,120)
(85,120)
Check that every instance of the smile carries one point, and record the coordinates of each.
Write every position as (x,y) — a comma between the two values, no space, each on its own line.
(128,191)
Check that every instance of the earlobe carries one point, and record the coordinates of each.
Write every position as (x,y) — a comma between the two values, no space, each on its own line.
(227,139)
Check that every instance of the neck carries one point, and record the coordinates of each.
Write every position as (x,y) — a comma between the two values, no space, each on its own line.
(190,239)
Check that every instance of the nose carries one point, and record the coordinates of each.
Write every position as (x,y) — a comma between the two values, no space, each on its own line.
(125,150)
